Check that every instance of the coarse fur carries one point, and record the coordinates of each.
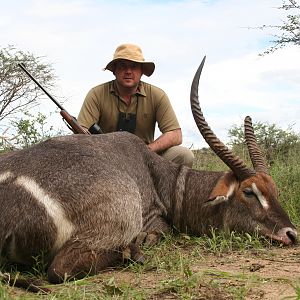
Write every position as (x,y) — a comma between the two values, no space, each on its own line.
(91,196)
(88,201)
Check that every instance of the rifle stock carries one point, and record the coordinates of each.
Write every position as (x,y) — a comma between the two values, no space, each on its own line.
(74,125)
(72,122)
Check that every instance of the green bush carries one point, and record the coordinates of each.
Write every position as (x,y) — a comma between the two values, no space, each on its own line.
(285,171)
(272,140)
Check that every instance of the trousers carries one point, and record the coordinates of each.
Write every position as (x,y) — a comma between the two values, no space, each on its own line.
(179,155)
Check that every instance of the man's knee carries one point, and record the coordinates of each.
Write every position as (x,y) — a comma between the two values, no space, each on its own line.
(180,155)
(187,157)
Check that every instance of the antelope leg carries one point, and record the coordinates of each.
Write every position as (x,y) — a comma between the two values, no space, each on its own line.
(75,260)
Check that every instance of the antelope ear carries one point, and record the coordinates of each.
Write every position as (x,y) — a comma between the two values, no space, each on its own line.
(223,190)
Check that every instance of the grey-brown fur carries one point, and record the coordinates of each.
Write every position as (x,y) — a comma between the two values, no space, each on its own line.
(110,187)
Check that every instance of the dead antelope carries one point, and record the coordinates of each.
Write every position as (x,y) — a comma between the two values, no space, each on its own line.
(83,199)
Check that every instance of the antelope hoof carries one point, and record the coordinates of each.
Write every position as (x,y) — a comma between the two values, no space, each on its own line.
(147,238)
(133,253)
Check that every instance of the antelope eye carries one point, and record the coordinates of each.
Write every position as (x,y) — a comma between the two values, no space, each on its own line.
(248,192)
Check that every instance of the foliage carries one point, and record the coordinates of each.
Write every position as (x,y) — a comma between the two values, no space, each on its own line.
(273,140)
(286,173)
(29,130)
(290,28)
(18,95)
(17,91)
(206,159)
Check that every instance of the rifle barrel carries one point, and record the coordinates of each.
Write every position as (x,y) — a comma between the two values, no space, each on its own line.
(22,66)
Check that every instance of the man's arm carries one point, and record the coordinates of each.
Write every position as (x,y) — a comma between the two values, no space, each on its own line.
(166,140)
(89,113)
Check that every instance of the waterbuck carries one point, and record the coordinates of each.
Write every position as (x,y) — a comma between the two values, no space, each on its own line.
(85,200)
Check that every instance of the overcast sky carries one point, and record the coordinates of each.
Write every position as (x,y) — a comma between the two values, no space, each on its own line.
(78,37)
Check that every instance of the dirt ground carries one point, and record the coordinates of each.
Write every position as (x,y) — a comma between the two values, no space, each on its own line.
(276,271)
(270,274)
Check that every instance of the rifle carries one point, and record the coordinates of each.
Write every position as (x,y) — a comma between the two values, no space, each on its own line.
(70,120)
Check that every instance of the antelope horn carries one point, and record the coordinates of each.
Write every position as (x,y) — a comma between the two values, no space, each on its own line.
(254,150)
(238,167)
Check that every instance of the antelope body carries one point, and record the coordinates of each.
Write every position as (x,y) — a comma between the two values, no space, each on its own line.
(83,199)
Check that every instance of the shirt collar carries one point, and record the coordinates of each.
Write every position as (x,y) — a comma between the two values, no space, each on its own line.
(140,91)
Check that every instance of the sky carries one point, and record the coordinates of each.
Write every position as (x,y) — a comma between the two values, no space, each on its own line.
(79,37)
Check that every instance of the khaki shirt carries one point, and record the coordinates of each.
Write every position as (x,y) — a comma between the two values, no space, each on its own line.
(150,104)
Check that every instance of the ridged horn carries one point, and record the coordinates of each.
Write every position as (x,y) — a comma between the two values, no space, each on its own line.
(238,167)
(256,155)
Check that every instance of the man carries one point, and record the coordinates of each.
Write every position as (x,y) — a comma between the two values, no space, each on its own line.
(129,104)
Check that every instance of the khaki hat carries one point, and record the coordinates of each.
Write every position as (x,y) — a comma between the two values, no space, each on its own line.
(133,53)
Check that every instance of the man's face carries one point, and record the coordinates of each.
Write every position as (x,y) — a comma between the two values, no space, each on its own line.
(128,73)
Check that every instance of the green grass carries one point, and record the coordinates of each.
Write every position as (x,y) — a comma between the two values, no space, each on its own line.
(169,273)
(286,173)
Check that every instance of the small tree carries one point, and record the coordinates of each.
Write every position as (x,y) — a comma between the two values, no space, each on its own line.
(273,140)
(28,130)
(17,92)
(18,95)
(289,29)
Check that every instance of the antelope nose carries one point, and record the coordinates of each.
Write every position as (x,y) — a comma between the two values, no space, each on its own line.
(292,234)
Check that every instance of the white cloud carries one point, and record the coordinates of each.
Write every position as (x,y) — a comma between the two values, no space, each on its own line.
(54,9)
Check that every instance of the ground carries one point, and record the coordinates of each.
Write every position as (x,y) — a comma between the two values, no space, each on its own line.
(187,271)
(266,274)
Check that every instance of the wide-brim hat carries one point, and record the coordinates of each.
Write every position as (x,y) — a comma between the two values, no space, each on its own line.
(133,53)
